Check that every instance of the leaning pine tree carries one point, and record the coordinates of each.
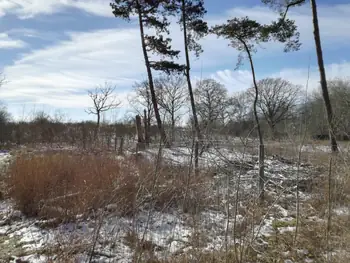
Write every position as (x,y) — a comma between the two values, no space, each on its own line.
(154,16)
(244,34)
(283,8)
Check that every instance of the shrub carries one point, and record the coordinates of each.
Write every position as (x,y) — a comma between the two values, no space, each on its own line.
(66,184)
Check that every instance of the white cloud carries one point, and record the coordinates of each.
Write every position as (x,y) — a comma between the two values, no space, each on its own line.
(7,42)
(334,21)
(28,9)
(96,7)
(242,79)
(52,74)
(56,74)
(233,80)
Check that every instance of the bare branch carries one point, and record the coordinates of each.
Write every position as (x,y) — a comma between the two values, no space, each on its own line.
(277,99)
(103,99)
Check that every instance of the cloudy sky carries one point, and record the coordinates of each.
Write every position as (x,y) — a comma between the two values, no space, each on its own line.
(53,51)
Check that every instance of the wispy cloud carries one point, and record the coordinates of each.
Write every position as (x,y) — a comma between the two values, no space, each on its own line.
(7,42)
(87,59)
(27,9)
(60,74)
(240,80)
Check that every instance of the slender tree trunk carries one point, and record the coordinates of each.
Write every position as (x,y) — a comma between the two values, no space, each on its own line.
(190,90)
(273,129)
(149,127)
(97,130)
(150,80)
(121,146)
(145,123)
(140,140)
(323,79)
(172,127)
(115,142)
(261,140)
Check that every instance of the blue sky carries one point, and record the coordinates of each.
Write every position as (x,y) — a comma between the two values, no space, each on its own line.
(53,51)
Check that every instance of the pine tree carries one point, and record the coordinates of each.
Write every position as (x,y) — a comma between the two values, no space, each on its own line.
(152,14)
(244,35)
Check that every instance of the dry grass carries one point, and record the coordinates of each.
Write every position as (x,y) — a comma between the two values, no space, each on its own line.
(39,183)
(53,184)
(65,184)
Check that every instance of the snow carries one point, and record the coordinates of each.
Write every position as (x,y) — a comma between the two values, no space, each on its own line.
(342,211)
(34,259)
(172,231)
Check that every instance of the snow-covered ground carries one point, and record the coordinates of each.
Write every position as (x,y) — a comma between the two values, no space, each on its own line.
(167,232)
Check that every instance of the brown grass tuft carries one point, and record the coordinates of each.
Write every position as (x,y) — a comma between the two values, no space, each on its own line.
(56,184)
(65,184)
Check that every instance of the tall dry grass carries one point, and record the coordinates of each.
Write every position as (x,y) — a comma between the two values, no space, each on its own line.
(66,184)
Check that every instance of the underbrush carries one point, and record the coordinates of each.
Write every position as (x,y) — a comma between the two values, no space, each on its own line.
(65,184)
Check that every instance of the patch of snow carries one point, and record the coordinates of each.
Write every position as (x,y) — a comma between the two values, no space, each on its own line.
(287,229)
(342,211)
(34,259)
(172,230)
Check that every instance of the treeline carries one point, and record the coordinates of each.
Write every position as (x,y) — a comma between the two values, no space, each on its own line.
(46,130)
(285,110)
(271,107)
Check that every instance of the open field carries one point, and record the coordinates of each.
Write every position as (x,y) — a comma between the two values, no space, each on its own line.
(72,207)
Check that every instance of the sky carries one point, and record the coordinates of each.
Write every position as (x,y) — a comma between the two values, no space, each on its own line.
(53,51)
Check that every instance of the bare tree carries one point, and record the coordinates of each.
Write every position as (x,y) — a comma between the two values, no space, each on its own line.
(211,100)
(239,114)
(5,117)
(277,100)
(239,107)
(103,100)
(339,92)
(172,97)
(141,100)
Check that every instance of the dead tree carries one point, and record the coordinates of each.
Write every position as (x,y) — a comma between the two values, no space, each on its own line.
(147,127)
(140,139)
(103,100)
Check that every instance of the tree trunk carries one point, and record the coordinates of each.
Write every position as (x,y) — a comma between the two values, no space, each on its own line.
(140,140)
(115,142)
(261,140)
(323,79)
(97,130)
(121,146)
(150,80)
(149,125)
(190,90)
(273,130)
(145,123)
(172,127)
